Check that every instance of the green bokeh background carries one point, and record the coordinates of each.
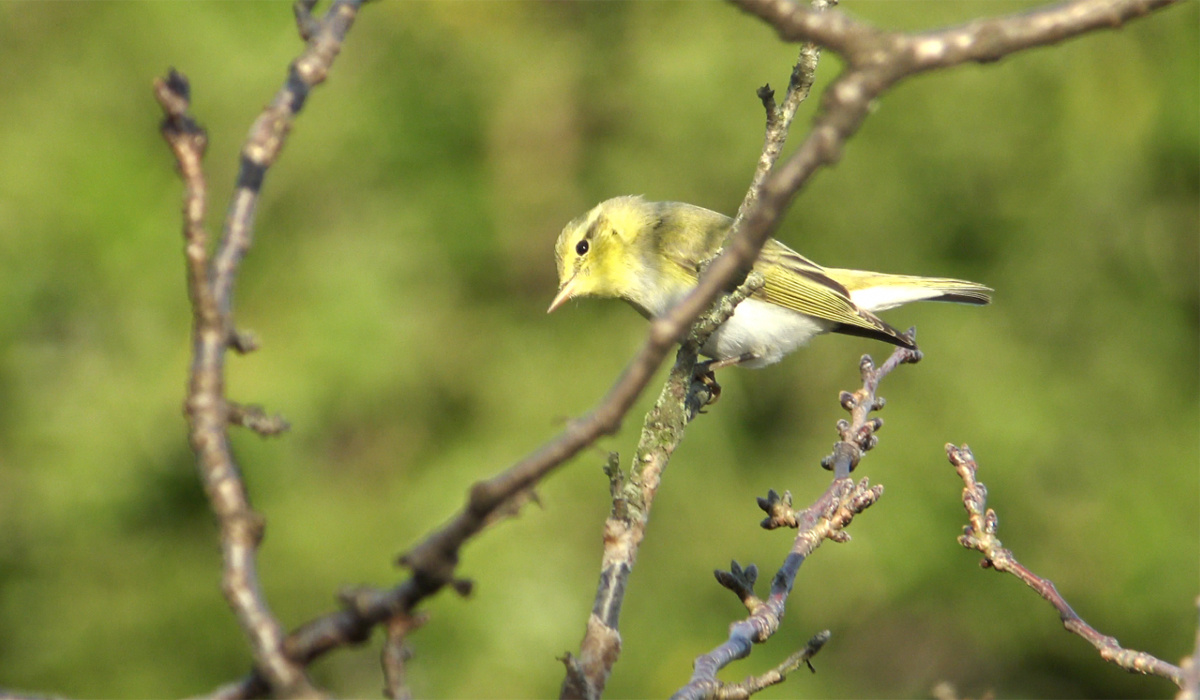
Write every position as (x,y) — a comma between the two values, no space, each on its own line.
(398,283)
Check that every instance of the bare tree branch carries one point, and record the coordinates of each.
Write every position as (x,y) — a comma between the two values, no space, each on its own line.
(896,55)
(980,535)
(433,561)
(10,695)
(753,684)
(268,135)
(858,436)
(210,286)
(825,519)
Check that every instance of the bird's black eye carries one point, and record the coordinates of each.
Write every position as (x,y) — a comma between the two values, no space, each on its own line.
(581,248)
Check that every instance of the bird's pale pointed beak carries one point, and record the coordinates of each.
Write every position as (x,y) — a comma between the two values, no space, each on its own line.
(565,292)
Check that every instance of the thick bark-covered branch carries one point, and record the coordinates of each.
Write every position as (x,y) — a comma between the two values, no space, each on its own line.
(899,55)
(980,535)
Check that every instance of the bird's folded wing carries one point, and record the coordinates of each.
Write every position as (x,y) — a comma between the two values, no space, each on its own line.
(795,282)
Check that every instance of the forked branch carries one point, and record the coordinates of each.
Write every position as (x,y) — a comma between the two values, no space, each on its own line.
(210,287)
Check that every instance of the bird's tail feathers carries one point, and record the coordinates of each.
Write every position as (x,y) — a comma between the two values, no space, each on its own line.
(875,291)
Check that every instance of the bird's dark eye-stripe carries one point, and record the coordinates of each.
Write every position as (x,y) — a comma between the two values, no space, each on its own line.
(581,248)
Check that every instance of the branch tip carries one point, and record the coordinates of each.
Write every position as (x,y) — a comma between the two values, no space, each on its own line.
(778,509)
(306,25)
(255,418)
(178,84)
(243,342)
(980,535)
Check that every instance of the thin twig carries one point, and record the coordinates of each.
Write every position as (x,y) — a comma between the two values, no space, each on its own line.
(825,519)
(980,535)
(210,286)
(858,435)
(877,60)
(753,684)
(11,695)
(267,137)
(305,24)
(396,653)
(779,117)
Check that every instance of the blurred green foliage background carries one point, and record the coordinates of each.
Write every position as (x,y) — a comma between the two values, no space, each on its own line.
(398,283)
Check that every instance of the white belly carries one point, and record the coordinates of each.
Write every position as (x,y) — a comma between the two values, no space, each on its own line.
(765,330)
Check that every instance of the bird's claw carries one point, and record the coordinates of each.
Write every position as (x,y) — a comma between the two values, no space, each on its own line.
(708,379)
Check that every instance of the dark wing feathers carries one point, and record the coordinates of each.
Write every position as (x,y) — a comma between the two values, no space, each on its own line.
(795,282)
(792,281)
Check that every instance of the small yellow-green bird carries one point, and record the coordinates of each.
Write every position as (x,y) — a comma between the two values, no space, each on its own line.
(648,253)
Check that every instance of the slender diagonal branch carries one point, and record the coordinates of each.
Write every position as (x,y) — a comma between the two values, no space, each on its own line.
(980,535)
(826,518)
(777,675)
(269,134)
(877,60)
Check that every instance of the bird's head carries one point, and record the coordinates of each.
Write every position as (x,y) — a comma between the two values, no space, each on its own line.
(598,253)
